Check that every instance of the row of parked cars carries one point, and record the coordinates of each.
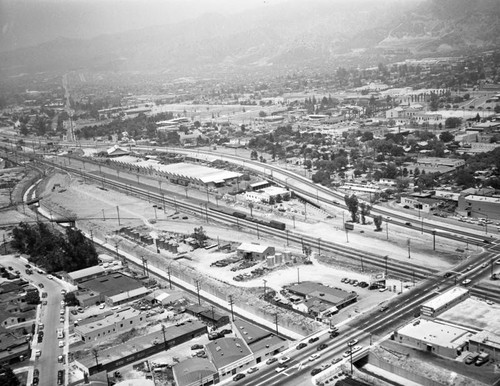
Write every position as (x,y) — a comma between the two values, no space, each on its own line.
(354,282)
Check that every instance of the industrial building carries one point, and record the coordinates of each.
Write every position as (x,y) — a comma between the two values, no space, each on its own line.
(229,356)
(251,251)
(195,372)
(320,300)
(486,341)
(81,275)
(437,338)
(443,302)
(118,322)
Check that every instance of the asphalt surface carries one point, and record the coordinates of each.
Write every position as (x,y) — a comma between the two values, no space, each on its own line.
(49,315)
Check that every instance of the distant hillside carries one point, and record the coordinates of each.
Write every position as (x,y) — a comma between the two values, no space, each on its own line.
(306,34)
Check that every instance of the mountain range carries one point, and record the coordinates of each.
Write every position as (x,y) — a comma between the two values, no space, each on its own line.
(311,34)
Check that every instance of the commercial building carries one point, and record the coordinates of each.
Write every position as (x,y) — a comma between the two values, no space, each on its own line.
(81,275)
(267,194)
(479,206)
(251,251)
(114,323)
(262,343)
(437,338)
(443,302)
(114,288)
(229,356)
(319,299)
(195,372)
(141,347)
(13,348)
(486,341)
(208,315)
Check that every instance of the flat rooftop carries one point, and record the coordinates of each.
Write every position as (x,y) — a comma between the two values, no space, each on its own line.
(445,298)
(493,200)
(224,351)
(475,314)
(250,247)
(320,291)
(192,370)
(108,320)
(487,338)
(112,284)
(439,334)
(142,342)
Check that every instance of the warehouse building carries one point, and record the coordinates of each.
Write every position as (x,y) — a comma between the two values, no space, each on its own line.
(229,356)
(81,275)
(251,251)
(437,338)
(195,372)
(443,302)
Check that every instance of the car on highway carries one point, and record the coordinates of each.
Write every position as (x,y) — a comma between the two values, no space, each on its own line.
(270,361)
(383,308)
(239,376)
(313,357)
(352,342)
(497,262)
(354,350)
(281,368)
(336,360)
(314,339)
(466,282)
(484,265)
(448,274)
(300,346)
(322,346)
(283,359)
(252,370)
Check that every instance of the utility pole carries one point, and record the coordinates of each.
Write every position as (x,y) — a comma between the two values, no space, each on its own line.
(276,322)
(265,282)
(164,338)
(298,275)
(103,217)
(118,212)
(409,255)
(198,291)
(95,353)
(231,302)
(385,258)
(169,278)
(257,230)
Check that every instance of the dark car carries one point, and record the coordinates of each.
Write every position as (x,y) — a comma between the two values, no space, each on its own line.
(239,376)
(271,361)
(448,274)
(315,371)
(334,334)
(196,347)
(315,339)
(226,331)
(36,373)
(35,381)
(300,346)
(322,346)
(40,338)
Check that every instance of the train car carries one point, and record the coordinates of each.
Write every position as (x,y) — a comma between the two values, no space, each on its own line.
(277,224)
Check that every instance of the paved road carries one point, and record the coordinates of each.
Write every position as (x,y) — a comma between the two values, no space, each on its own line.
(49,315)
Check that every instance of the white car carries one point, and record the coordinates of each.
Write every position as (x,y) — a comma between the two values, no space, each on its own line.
(313,357)
(61,343)
(38,353)
(352,342)
(466,281)
(283,359)
(281,368)
(50,277)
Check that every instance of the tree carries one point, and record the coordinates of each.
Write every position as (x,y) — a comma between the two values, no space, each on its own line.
(250,206)
(254,155)
(272,201)
(377,220)
(262,114)
(452,122)
(352,206)
(71,299)
(446,136)
(32,297)
(199,235)
(365,211)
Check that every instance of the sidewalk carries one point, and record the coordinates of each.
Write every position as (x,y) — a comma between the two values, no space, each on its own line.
(222,303)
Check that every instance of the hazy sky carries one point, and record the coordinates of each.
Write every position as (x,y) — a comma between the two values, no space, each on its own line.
(28,22)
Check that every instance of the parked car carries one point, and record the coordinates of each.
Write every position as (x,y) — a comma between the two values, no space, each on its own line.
(196,347)
(239,376)
(284,359)
(270,361)
(252,370)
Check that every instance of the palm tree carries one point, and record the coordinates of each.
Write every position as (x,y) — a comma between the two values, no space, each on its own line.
(250,205)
